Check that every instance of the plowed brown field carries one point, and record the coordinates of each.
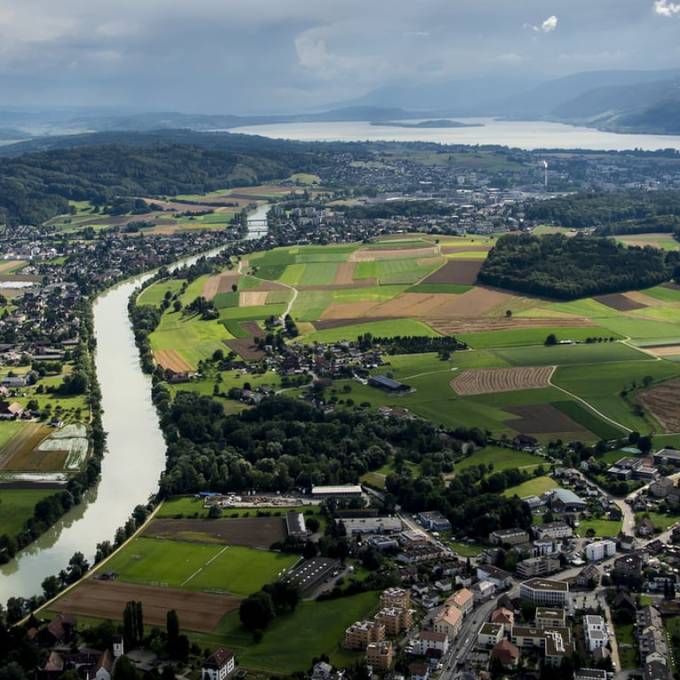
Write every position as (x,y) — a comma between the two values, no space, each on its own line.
(200,612)
(663,402)
(620,302)
(462,272)
(19,453)
(480,324)
(344,273)
(220,284)
(494,380)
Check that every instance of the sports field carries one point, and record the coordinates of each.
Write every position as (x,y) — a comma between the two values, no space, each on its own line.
(198,566)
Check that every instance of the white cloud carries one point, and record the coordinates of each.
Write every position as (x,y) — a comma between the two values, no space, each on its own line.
(665,8)
(548,26)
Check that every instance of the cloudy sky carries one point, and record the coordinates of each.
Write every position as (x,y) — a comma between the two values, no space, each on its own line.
(239,56)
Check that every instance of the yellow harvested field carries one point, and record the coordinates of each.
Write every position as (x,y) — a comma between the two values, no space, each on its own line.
(221,283)
(170,358)
(663,350)
(494,380)
(9,265)
(252,298)
(344,274)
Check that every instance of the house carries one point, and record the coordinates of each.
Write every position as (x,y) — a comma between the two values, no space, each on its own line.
(10,411)
(218,665)
(648,616)
(588,577)
(504,617)
(432,640)
(379,655)
(656,669)
(500,578)
(645,527)
(483,590)
(596,633)
(448,621)
(490,634)
(419,670)
(661,487)
(60,630)
(545,592)
(506,653)
(628,571)
(463,599)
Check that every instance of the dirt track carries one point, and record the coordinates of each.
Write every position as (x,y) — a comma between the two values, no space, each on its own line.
(200,612)
(494,380)
(663,403)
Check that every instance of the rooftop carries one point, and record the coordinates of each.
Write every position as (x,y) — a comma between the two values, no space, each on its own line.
(547,584)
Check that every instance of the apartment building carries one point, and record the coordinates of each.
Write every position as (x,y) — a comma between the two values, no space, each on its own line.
(361,633)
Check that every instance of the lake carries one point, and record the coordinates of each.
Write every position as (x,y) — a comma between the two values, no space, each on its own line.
(519,134)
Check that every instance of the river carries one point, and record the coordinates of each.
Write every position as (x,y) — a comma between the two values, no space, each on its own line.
(135,452)
(516,134)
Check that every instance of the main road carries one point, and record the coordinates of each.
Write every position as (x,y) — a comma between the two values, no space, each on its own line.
(135,451)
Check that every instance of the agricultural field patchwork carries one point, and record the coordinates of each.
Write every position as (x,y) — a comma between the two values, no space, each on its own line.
(510,380)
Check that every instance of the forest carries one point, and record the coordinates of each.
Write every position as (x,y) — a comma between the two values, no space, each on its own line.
(37,186)
(653,210)
(566,268)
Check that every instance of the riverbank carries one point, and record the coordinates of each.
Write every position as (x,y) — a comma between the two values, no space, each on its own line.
(135,452)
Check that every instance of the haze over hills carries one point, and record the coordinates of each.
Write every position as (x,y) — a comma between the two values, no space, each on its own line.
(622,101)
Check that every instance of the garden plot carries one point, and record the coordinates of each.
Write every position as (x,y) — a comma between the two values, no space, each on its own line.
(72,440)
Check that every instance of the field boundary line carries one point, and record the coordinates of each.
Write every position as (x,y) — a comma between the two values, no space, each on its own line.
(288,309)
(200,569)
(589,406)
(93,568)
(420,375)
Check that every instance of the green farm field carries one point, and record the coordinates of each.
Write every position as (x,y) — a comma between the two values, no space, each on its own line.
(532,487)
(292,640)
(16,506)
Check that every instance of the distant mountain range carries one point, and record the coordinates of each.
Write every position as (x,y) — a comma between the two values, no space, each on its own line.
(621,101)
(625,101)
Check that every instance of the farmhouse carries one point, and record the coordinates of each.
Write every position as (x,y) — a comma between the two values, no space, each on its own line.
(218,665)
(10,411)
(384,383)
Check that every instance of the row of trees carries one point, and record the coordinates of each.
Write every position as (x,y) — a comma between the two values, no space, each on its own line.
(568,268)
(610,209)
